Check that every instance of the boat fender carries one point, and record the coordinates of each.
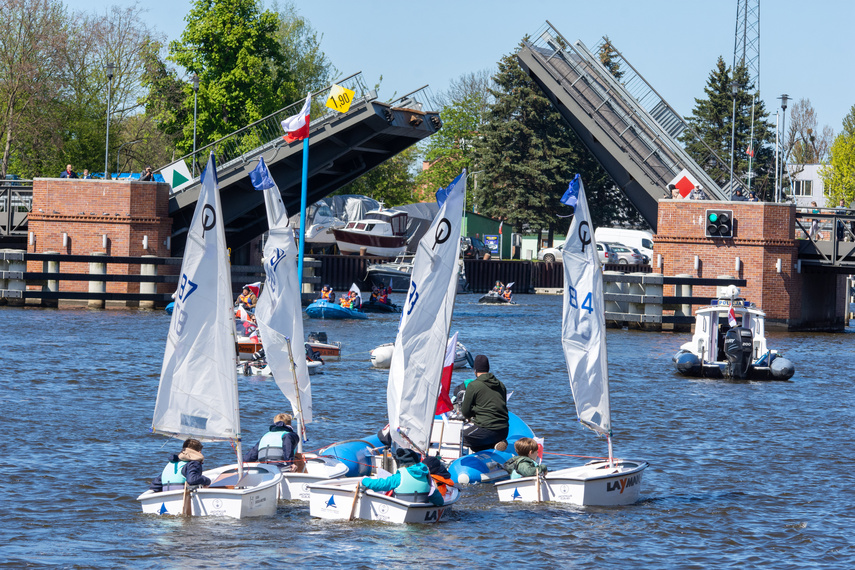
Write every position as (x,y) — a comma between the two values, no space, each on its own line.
(463,479)
(782,369)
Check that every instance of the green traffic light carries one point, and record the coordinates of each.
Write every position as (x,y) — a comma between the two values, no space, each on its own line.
(713,217)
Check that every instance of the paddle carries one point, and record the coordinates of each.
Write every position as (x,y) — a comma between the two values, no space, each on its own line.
(187,508)
(355,501)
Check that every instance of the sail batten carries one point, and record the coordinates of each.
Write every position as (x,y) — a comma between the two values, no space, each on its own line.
(197,396)
(583,324)
(279,312)
(417,361)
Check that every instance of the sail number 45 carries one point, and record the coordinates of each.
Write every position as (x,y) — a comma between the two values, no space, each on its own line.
(574,300)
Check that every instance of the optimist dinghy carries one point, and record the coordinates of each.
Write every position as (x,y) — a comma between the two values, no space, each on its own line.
(198,395)
(414,375)
(604,482)
(280,319)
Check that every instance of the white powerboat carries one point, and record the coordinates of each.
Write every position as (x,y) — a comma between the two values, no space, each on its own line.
(395,274)
(730,342)
(381,232)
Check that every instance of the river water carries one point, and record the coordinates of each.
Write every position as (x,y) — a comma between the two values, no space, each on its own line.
(742,474)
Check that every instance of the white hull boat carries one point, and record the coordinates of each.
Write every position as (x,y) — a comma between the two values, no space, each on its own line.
(338,500)
(294,485)
(381,357)
(382,233)
(314,367)
(228,496)
(597,483)
(583,335)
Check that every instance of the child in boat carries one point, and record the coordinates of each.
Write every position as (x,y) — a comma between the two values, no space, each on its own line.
(278,444)
(524,463)
(183,467)
(327,294)
(247,299)
(412,482)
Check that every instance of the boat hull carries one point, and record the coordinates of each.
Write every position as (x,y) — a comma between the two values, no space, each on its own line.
(328,351)
(481,467)
(494,299)
(381,246)
(295,486)
(322,309)
(258,499)
(375,307)
(355,454)
(688,364)
(334,500)
(593,484)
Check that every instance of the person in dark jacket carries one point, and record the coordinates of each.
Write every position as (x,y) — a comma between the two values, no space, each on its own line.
(278,444)
(485,406)
(68,173)
(183,467)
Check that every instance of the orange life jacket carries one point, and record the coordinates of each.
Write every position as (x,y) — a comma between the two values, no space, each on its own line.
(325,295)
(442,483)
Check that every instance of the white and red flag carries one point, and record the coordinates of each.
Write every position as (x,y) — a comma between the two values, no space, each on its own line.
(731,317)
(443,403)
(750,151)
(297,126)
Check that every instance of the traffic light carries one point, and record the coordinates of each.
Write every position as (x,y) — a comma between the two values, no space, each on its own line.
(719,223)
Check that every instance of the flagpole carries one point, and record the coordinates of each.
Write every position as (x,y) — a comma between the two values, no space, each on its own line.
(303,212)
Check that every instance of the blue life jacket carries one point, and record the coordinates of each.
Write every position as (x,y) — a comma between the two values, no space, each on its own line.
(172,477)
(411,488)
(270,445)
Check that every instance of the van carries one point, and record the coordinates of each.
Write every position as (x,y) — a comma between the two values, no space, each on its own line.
(639,239)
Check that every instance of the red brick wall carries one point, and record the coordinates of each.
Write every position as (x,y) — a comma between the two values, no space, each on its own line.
(88,209)
(763,233)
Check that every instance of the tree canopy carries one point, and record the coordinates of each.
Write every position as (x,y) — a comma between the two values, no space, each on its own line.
(838,176)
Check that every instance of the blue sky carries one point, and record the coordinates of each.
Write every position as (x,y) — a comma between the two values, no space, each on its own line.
(805,47)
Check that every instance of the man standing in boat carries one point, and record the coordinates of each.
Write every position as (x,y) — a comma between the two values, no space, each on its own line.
(485,406)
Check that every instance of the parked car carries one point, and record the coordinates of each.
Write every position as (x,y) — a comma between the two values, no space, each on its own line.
(472,248)
(624,255)
(640,239)
(605,252)
(644,259)
(551,254)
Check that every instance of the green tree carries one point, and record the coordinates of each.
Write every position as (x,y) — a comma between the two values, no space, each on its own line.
(708,138)
(232,45)
(609,55)
(838,176)
(391,182)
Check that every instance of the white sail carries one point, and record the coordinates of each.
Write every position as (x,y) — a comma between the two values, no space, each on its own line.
(198,384)
(279,311)
(416,368)
(584,322)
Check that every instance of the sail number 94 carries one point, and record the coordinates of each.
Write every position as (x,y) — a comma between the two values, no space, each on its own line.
(574,300)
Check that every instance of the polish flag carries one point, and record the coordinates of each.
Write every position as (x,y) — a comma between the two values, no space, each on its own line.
(500,227)
(731,317)
(443,403)
(750,151)
(297,126)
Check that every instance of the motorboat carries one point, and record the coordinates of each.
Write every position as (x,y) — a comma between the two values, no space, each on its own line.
(394,274)
(326,349)
(730,342)
(609,481)
(382,233)
(323,309)
(381,357)
(493,298)
(375,306)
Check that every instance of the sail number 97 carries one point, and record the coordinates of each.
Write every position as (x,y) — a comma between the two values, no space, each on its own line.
(574,300)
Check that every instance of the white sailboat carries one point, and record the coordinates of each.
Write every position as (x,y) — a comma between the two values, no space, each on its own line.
(198,396)
(280,319)
(604,482)
(414,374)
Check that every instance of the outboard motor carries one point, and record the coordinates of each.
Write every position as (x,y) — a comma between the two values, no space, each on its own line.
(737,349)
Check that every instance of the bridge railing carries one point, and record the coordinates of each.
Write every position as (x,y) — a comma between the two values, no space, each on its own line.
(826,235)
(16,202)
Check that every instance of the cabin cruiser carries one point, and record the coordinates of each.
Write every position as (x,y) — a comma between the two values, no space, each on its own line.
(381,232)
(730,342)
(393,274)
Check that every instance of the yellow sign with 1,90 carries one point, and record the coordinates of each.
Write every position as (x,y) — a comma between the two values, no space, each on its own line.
(340,98)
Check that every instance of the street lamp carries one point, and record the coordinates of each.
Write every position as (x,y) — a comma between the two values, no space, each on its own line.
(110,67)
(784,99)
(734,90)
(120,150)
(195,94)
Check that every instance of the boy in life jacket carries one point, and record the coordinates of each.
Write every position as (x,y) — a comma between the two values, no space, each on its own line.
(345,301)
(412,482)
(507,294)
(278,444)
(524,463)
(247,299)
(183,467)
(327,294)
